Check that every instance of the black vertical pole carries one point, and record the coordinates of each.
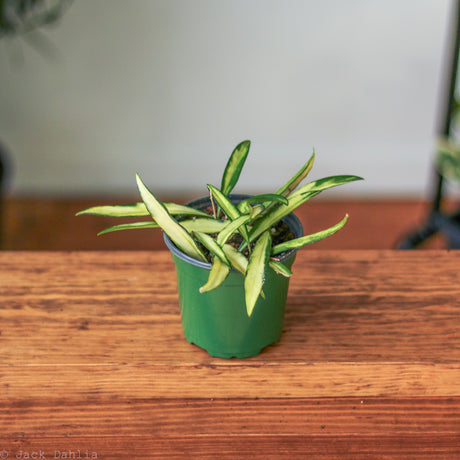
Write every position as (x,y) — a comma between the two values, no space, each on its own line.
(5,171)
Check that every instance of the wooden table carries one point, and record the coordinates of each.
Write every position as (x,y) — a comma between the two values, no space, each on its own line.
(93,362)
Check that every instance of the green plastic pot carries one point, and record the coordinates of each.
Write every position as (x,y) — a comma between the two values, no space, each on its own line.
(217,320)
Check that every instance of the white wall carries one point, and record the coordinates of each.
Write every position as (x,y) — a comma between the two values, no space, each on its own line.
(168,88)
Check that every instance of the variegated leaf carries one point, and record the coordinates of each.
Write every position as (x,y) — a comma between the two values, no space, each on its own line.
(217,275)
(119,210)
(264,198)
(212,246)
(255,273)
(225,203)
(237,260)
(178,235)
(183,210)
(295,200)
(196,225)
(204,225)
(280,268)
(228,207)
(234,166)
(230,229)
(325,183)
(139,210)
(276,214)
(130,226)
(308,239)
(292,183)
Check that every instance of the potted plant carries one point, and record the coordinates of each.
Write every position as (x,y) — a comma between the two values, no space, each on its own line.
(233,254)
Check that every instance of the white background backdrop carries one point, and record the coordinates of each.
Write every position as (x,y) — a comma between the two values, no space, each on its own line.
(168,88)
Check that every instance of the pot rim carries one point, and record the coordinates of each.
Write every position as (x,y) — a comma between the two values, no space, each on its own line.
(291,220)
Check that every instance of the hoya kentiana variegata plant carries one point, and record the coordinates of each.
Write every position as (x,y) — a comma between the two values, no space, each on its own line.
(232,235)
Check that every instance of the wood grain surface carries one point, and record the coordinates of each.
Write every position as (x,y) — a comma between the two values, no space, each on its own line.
(93,362)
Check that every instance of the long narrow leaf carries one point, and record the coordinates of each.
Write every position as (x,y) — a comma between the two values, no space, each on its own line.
(234,166)
(308,239)
(180,237)
(256,210)
(184,210)
(237,260)
(228,207)
(270,219)
(120,210)
(253,211)
(217,275)
(130,226)
(204,225)
(296,199)
(325,183)
(225,203)
(212,246)
(243,206)
(280,268)
(255,273)
(231,227)
(264,197)
(139,210)
(292,183)
(197,225)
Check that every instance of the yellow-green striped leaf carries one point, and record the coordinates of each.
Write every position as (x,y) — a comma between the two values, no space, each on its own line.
(265,199)
(196,225)
(292,183)
(226,204)
(139,210)
(217,275)
(276,214)
(212,246)
(179,236)
(308,239)
(237,260)
(130,226)
(234,166)
(256,210)
(204,225)
(231,227)
(255,273)
(325,183)
(253,211)
(296,199)
(184,210)
(280,268)
(228,207)
(118,210)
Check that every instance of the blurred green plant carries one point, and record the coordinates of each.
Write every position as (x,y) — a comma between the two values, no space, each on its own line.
(448,159)
(22,16)
(25,18)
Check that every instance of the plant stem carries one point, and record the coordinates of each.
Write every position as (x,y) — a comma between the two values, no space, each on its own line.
(213,205)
